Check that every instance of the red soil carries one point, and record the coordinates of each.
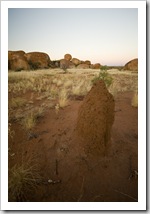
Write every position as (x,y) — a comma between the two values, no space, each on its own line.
(76,175)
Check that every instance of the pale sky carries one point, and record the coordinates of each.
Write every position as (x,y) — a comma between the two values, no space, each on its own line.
(105,36)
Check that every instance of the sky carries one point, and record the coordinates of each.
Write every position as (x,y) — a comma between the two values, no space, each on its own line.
(106,36)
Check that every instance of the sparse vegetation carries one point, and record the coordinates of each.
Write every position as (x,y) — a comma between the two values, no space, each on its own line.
(105,76)
(17,102)
(22,180)
(104,68)
(63,98)
(37,113)
(10,131)
(134,101)
(29,121)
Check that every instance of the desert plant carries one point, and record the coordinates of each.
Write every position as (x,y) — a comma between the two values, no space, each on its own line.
(104,68)
(105,77)
(57,108)
(63,99)
(10,131)
(134,101)
(17,102)
(29,121)
(23,179)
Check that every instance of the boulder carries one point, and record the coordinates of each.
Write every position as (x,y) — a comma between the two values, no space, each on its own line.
(55,64)
(131,65)
(38,60)
(68,57)
(64,64)
(83,66)
(96,66)
(87,62)
(76,61)
(17,61)
(95,119)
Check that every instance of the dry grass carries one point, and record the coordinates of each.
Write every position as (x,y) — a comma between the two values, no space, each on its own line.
(63,99)
(11,132)
(17,102)
(51,84)
(22,180)
(134,101)
(29,121)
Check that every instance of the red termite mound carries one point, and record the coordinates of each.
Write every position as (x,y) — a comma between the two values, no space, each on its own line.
(95,119)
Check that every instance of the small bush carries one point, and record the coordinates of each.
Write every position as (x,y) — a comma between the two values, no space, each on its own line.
(105,77)
(104,68)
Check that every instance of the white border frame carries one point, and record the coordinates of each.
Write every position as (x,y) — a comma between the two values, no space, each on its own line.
(141,204)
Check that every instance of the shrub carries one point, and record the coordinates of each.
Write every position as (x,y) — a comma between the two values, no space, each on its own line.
(104,68)
(105,77)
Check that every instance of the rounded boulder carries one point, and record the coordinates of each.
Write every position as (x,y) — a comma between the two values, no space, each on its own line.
(68,57)
(38,60)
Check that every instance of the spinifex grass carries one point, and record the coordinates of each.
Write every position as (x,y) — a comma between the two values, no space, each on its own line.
(23,179)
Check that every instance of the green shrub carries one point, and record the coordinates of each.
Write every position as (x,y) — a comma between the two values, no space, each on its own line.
(104,68)
(105,77)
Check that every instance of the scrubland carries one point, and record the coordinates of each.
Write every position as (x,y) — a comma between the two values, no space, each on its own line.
(38,95)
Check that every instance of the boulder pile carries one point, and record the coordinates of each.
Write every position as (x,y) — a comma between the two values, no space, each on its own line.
(95,119)
(19,60)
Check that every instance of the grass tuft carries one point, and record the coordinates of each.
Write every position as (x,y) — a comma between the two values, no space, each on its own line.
(22,180)
(134,101)
(63,99)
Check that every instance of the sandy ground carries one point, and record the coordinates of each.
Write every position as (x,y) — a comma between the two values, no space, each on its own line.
(67,173)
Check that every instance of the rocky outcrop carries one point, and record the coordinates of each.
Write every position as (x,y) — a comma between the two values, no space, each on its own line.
(131,65)
(68,57)
(76,61)
(83,66)
(64,64)
(38,60)
(96,66)
(95,119)
(17,61)
(87,62)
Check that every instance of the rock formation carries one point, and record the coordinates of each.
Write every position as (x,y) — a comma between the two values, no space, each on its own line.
(83,66)
(76,61)
(64,64)
(131,65)
(96,66)
(68,57)
(17,61)
(38,60)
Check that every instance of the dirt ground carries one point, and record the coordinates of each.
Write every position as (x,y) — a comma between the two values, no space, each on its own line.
(68,173)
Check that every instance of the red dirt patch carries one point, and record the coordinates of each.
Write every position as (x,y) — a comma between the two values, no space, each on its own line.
(61,157)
